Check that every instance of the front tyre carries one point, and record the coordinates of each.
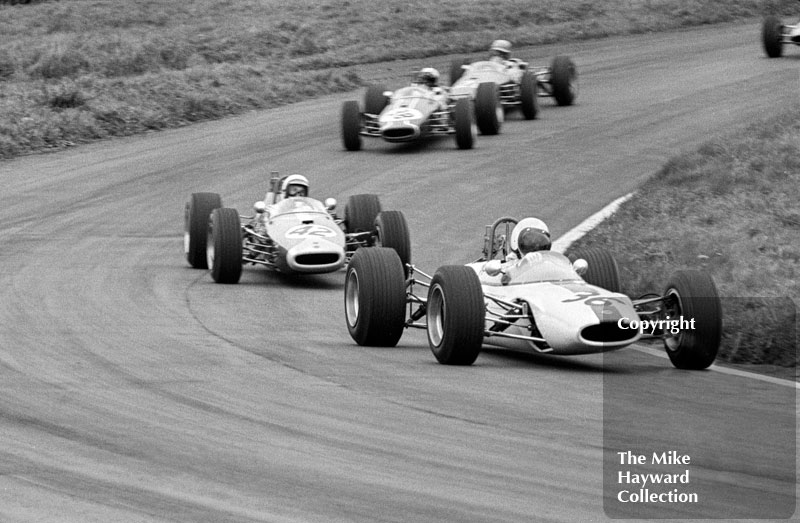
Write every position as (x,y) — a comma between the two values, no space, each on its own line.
(195,226)
(375,297)
(464,126)
(692,297)
(529,96)
(564,80)
(375,101)
(772,36)
(392,231)
(488,111)
(351,126)
(224,252)
(360,213)
(456,315)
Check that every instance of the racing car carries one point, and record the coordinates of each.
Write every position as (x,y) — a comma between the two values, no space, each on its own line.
(290,233)
(774,34)
(518,84)
(543,302)
(408,114)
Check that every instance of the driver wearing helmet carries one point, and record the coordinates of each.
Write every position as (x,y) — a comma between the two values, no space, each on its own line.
(500,51)
(428,76)
(294,185)
(529,235)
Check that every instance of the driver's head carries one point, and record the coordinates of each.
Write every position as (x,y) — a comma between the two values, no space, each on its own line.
(294,185)
(428,76)
(530,235)
(500,48)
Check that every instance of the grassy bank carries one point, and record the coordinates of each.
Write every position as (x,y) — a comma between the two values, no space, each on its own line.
(731,209)
(79,70)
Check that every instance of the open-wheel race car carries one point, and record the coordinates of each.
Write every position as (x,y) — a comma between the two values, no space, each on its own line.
(289,231)
(517,84)
(774,34)
(408,114)
(543,302)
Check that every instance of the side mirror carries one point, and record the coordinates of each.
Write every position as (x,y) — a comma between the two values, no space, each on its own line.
(493,267)
(581,266)
(330,204)
(260,207)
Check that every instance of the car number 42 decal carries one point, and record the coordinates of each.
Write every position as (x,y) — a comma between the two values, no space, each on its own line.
(303,231)
(591,297)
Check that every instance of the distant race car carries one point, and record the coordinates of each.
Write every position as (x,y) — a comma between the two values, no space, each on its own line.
(538,303)
(408,114)
(774,34)
(518,85)
(290,234)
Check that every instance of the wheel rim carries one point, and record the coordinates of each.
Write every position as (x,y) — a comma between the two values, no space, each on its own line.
(351,306)
(436,312)
(186,242)
(673,341)
(210,248)
(501,114)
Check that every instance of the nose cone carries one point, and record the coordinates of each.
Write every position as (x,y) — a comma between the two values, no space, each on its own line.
(315,255)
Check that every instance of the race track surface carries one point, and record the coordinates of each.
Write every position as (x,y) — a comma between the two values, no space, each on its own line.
(136,389)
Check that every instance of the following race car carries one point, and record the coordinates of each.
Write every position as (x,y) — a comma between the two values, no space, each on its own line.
(538,301)
(289,231)
(420,110)
(774,34)
(517,84)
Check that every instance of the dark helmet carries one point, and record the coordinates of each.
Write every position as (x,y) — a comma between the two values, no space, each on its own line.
(532,240)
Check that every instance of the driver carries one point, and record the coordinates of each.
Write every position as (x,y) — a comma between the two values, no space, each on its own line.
(528,235)
(500,51)
(428,76)
(294,185)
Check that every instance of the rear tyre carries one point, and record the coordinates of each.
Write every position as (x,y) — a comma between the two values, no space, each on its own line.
(195,226)
(456,315)
(488,111)
(529,96)
(224,252)
(360,212)
(603,270)
(693,297)
(456,69)
(351,126)
(772,36)
(374,99)
(465,128)
(392,232)
(564,80)
(375,297)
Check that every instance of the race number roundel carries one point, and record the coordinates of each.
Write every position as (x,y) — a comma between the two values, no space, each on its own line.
(310,230)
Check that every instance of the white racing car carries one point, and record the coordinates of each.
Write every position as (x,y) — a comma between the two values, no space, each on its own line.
(542,302)
(289,231)
(774,34)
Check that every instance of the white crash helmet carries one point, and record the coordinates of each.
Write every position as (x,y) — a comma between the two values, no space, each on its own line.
(294,185)
(501,48)
(428,76)
(531,234)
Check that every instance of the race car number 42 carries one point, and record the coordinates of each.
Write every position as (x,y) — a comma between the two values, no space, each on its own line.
(302,231)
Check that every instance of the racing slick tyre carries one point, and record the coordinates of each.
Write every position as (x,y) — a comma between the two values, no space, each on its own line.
(392,231)
(456,314)
(465,128)
(529,96)
(694,298)
(351,126)
(456,69)
(564,80)
(195,226)
(488,110)
(360,213)
(224,252)
(374,99)
(375,297)
(603,270)
(772,36)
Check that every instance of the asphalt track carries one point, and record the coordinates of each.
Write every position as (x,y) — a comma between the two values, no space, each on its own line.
(136,389)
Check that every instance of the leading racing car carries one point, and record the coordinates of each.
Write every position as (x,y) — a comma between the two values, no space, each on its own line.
(420,110)
(289,232)
(542,302)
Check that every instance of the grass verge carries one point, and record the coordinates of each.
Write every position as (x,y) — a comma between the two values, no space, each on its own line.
(729,208)
(81,70)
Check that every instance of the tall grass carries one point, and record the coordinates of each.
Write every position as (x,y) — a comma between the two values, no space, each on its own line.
(77,70)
